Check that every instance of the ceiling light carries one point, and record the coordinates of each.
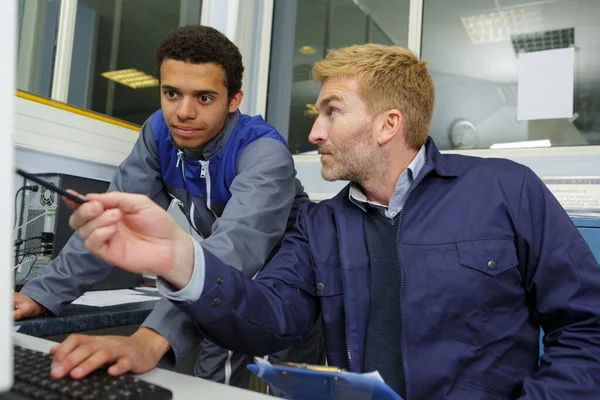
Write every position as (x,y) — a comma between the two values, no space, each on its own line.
(499,26)
(131,77)
(307,50)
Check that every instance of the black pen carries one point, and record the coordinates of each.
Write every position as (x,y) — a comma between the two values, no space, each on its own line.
(50,186)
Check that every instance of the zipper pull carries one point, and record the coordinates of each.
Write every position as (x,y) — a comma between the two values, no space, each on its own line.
(179,160)
(203,170)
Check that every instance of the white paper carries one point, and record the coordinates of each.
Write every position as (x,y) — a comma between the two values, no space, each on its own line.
(116,292)
(374,375)
(105,298)
(546,84)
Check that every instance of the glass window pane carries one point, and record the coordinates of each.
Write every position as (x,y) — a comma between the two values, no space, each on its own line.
(37,28)
(473,48)
(323,24)
(116,35)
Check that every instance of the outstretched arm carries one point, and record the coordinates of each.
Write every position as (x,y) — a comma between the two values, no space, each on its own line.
(252,316)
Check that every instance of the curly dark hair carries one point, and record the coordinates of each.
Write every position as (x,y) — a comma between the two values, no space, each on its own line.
(198,44)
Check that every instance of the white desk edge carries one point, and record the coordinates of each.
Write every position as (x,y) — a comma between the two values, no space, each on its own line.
(183,386)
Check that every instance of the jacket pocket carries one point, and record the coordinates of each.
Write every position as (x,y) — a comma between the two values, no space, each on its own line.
(328,280)
(491,257)
(497,382)
(329,290)
(474,289)
(477,390)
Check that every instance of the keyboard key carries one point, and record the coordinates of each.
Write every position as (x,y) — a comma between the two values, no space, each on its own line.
(32,379)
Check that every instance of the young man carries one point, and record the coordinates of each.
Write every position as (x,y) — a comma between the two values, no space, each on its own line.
(232,176)
(436,270)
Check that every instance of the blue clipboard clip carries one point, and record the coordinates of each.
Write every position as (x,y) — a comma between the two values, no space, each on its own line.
(317,382)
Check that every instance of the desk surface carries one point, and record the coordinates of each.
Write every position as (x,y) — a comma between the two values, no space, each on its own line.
(182,386)
(78,318)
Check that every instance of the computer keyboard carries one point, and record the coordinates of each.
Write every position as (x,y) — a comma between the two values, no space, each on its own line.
(33,381)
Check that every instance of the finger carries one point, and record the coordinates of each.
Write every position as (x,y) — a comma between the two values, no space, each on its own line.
(73,360)
(108,217)
(19,313)
(98,239)
(97,359)
(126,202)
(70,344)
(85,213)
(124,364)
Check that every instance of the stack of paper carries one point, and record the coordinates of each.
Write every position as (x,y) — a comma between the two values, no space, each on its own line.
(105,298)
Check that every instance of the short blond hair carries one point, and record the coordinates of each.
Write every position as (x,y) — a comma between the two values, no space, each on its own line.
(389,77)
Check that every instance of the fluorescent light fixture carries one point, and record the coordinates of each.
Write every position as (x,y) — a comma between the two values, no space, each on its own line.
(499,26)
(522,145)
(131,77)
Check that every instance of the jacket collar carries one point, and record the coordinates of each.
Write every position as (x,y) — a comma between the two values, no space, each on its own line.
(436,160)
(440,163)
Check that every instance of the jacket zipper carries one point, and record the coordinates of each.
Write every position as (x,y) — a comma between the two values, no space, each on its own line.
(228,367)
(192,219)
(180,161)
(404,366)
(204,165)
(345,305)
(205,173)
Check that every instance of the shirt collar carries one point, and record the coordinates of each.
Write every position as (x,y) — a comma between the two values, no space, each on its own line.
(403,184)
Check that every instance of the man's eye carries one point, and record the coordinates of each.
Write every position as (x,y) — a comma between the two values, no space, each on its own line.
(170,93)
(205,99)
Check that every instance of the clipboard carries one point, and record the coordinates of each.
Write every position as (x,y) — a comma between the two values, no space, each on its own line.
(307,382)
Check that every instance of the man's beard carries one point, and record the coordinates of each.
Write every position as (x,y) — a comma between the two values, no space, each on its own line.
(355,163)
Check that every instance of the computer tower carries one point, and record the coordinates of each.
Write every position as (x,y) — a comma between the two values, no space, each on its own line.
(44,229)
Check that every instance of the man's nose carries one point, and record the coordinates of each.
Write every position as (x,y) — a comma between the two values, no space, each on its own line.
(318,133)
(186,110)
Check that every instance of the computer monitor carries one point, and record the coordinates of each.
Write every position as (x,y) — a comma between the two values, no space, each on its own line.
(8,60)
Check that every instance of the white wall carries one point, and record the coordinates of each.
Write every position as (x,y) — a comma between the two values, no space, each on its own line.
(48,129)
(48,139)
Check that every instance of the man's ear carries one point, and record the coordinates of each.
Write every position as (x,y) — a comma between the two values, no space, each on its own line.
(390,125)
(235,101)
